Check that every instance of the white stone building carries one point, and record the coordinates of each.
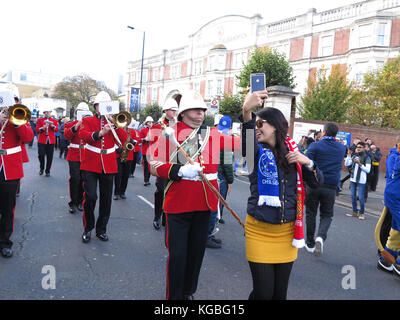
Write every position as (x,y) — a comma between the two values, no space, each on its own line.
(359,37)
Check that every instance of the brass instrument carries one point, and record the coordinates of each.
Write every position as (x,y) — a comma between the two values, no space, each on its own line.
(18,115)
(128,146)
(122,119)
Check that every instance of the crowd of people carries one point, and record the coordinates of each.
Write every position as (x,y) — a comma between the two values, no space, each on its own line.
(191,159)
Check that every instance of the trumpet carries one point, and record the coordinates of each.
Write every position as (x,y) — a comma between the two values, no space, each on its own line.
(17,114)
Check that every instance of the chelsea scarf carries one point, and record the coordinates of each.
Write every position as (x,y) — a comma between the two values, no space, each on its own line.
(268,188)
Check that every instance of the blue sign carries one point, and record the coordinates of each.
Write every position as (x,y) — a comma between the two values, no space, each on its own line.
(345,136)
(134,101)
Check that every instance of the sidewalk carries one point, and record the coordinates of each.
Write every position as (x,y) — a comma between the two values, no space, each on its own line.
(374,204)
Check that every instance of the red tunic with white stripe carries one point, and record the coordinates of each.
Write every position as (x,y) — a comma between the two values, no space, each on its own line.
(75,149)
(93,159)
(47,134)
(11,140)
(188,195)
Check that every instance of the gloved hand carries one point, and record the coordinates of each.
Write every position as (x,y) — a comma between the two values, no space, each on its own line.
(119,150)
(190,171)
(168,132)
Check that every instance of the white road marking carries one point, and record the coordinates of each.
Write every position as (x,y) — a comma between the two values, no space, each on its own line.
(147,201)
(242,181)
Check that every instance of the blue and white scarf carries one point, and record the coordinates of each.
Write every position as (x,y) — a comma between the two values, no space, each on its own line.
(268,182)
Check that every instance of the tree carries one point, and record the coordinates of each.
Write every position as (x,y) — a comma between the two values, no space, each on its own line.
(275,66)
(231,105)
(327,97)
(153,110)
(80,88)
(379,97)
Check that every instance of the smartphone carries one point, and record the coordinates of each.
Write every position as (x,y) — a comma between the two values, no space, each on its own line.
(257,82)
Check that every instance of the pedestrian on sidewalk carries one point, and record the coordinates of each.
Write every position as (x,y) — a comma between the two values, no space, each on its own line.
(328,155)
(375,161)
(274,222)
(360,167)
(390,260)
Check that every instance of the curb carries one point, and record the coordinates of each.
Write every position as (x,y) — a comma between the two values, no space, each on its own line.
(349,205)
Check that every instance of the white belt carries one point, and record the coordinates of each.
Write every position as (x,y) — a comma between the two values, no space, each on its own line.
(6,152)
(78,146)
(98,150)
(209,176)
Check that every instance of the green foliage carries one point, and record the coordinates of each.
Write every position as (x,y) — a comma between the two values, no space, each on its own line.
(275,66)
(80,88)
(327,97)
(379,98)
(231,105)
(209,120)
(153,110)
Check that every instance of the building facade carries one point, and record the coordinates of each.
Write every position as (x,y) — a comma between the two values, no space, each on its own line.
(358,37)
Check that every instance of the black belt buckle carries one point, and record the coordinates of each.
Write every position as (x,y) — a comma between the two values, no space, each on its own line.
(103,151)
(81,146)
(3,152)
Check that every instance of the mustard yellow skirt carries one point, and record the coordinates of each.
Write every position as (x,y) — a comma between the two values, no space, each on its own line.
(269,243)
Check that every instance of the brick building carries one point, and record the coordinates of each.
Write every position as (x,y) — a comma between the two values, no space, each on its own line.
(358,37)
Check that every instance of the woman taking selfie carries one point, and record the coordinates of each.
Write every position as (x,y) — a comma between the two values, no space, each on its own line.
(274,223)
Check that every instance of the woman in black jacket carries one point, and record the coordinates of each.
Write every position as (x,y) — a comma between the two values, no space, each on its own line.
(274,226)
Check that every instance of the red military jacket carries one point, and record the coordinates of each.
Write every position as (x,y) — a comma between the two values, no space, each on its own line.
(76,146)
(24,153)
(11,158)
(44,134)
(190,195)
(144,134)
(99,154)
(135,135)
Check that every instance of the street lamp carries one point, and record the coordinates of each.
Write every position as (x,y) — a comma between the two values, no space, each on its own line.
(141,69)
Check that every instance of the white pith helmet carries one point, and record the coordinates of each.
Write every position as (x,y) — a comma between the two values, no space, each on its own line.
(82,107)
(170,104)
(102,96)
(148,118)
(191,100)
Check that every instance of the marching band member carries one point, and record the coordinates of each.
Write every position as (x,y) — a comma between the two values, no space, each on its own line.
(188,200)
(146,139)
(46,127)
(11,171)
(98,165)
(74,157)
(135,135)
(169,109)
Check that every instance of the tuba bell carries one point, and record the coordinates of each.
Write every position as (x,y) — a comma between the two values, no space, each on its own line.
(19,114)
(122,119)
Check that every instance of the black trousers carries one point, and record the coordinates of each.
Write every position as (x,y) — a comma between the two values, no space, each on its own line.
(159,197)
(75,183)
(270,281)
(374,177)
(324,198)
(146,170)
(8,191)
(122,177)
(105,181)
(186,237)
(134,162)
(45,151)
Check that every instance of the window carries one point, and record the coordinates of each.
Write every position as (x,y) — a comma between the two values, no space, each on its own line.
(381,34)
(210,88)
(155,74)
(239,59)
(361,69)
(221,62)
(364,35)
(154,95)
(145,75)
(327,46)
(211,63)
(176,71)
(198,67)
(197,86)
(219,87)
(22,77)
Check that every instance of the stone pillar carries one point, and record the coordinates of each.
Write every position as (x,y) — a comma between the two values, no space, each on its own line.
(284,99)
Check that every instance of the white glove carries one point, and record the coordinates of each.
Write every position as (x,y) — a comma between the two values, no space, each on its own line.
(190,171)
(168,132)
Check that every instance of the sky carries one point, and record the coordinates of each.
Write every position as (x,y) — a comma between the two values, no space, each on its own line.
(71,37)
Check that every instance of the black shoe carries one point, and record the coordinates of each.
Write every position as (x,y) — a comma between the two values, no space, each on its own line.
(219,241)
(188,297)
(86,236)
(102,237)
(212,245)
(40,172)
(222,221)
(146,184)
(122,196)
(80,207)
(156,224)
(6,252)
(72,208)
(116,197)
(47,174)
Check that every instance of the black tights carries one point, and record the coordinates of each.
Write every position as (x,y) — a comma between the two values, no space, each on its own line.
(270,281)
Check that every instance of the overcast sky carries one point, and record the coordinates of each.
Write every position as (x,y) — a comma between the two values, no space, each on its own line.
(69,37)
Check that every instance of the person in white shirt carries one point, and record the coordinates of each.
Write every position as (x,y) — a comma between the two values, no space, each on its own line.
(360,164)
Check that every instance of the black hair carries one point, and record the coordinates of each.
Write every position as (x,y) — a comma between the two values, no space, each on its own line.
(331,129)
(275,118)
(361,144)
